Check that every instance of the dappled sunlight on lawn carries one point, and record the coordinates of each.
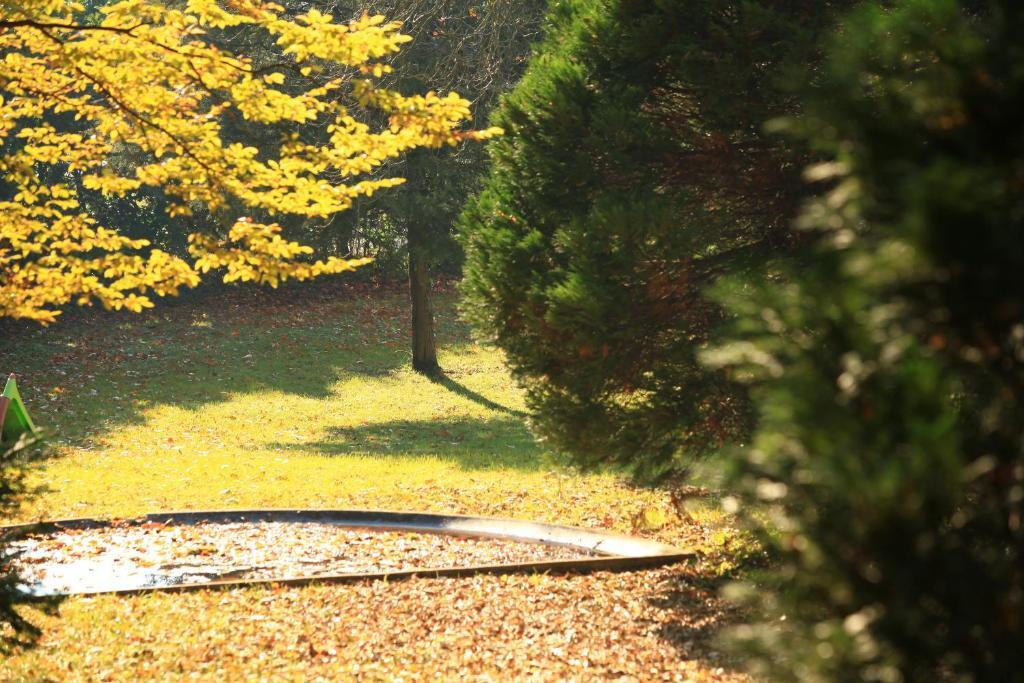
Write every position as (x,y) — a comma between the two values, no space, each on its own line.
(267,402)
(258,401)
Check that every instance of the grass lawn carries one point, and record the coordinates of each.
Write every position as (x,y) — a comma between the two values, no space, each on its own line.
(303,398)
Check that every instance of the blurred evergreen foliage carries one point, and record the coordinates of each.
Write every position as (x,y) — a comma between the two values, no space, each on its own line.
(17,460)
(887,362)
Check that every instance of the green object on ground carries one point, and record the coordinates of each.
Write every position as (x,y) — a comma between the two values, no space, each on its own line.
(17,421)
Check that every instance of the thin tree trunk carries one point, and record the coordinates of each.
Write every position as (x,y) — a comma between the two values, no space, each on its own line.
(424,350)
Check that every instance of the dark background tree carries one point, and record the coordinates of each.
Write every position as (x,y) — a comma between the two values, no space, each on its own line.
(888,363)
(634,171)
(479,50)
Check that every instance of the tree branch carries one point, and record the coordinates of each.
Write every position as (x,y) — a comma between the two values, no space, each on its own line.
(45,25)
(145,121)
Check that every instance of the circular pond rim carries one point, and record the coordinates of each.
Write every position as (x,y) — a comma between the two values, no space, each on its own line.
(615,552)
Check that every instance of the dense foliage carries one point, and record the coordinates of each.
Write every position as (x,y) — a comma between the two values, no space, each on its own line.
(634,171)
(149,78)
(16,462)
(888,363)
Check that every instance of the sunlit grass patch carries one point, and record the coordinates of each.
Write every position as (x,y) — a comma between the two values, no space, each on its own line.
(293,402)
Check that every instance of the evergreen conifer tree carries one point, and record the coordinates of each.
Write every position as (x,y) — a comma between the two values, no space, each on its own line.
(888,362)
(634,170)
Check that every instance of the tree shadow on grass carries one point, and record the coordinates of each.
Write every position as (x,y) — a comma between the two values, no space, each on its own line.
(467,393)
(102,371)
(472,444)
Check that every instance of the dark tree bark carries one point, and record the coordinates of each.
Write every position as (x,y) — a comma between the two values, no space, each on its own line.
(424,349)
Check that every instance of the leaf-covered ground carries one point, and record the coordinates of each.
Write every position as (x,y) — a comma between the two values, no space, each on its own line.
(126,556)
(303,398)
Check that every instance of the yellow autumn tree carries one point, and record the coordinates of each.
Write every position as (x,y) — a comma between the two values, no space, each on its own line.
(153,79)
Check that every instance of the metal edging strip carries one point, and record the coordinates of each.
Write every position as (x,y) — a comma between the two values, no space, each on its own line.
(619,552)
